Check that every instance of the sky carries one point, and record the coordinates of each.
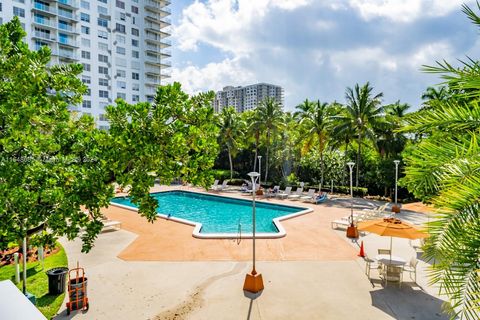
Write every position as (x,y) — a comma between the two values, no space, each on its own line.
(315,49)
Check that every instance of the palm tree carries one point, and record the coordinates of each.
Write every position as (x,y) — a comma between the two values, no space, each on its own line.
(315,122)
(231,131)
(362,113)
(254,129)
(389,141)
(444,167)
(269,115)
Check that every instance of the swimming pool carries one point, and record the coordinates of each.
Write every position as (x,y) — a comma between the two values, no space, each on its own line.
(218,216)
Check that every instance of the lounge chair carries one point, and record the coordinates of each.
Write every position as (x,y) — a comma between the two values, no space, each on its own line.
(310,196)
(272,193)
(321,198)
(111,224)
(215,185)
(298,193)
(223,186)
(285,193)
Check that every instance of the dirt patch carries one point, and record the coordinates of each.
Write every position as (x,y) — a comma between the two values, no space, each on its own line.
(195,300)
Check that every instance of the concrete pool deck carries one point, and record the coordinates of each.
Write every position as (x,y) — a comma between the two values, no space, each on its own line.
(141,273)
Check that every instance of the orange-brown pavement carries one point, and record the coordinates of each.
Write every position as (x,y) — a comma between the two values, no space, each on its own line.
(309,237)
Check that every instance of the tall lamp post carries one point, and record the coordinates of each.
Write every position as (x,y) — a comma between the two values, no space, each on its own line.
(352,231)
(396,207)
(253,280)
(259,169)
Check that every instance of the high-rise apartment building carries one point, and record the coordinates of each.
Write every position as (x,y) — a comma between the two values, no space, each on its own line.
(122,44)
(248,97)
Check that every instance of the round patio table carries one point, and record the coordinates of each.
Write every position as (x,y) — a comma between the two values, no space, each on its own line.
(390,260)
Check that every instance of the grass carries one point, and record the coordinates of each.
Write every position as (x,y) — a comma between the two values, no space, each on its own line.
(37,281)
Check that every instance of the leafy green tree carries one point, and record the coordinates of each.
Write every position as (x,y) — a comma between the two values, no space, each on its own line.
(315,124)
(232,129)
(53,164)
(362,113)
(388,141)
(270,115)
(444,167)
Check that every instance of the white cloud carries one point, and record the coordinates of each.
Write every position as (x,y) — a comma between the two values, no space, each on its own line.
(213,76)
(316,49)
(226,24)
(405,10)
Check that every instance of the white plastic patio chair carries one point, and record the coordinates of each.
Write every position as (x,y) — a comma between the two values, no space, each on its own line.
(298,193)
(285,193)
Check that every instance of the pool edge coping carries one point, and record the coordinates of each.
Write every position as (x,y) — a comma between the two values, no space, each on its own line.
(198,226)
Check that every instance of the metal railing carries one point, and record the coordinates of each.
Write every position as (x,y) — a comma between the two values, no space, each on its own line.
(43,22)
(42,7)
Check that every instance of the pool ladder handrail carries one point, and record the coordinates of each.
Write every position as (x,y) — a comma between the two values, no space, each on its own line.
(239,233)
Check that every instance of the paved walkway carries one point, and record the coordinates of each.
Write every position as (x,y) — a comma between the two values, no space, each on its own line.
(317,283)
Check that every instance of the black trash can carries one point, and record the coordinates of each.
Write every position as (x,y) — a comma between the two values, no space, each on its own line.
(56,280)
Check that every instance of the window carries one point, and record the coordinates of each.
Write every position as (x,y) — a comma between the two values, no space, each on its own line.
(121,84)
(85,17)
(86,104)
(121,74)
(120,28)
(120,4)
(104,128)
(102,105)
(85,4)
(122,16)
(102,117)
(135,54)
(120,50)
(135,98)
(134,42)
(102,34)
(121,95)
(19,12)
(133,20)
(85,54)
(134,9)
(85,30)
(86,67)
(103,58)
(103,93)
(135,76)
(102,22)
(104,1)
(135,32)
(103,70)
(120,38)
(86,79)
(103,82)
(102,46)
(136,87)
(88,92)
(102,10)
(85,42)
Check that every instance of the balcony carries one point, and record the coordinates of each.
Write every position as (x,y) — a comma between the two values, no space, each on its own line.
(67,28)
(157,6)
(152,81)
(157,61)
(152,70)
(44,22)
(67,15)
(65,54)
(37,6)
(69,42)
(68,3)
(43,36)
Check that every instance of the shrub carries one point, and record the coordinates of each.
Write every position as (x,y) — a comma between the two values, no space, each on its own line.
(221,174)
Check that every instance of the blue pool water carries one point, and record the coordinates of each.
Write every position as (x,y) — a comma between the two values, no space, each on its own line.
(217,214)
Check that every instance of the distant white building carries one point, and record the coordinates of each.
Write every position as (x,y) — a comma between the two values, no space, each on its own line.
(248,97)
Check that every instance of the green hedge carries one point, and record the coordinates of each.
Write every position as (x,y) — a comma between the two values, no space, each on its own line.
(223,174)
